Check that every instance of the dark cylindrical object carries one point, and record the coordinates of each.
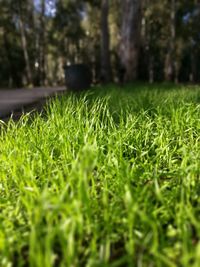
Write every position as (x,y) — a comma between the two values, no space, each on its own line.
(78,77)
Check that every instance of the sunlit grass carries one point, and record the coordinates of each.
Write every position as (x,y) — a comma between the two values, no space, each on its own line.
(107,178)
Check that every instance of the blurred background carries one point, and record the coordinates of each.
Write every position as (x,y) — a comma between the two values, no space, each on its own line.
(148,40)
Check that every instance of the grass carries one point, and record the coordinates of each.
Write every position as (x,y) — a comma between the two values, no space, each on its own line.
(107,178)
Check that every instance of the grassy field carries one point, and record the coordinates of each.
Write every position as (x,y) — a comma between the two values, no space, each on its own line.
(107,178)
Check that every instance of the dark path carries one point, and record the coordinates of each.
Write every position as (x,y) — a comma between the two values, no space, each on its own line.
(18,99)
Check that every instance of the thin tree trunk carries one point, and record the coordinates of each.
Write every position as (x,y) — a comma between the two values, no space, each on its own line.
(130,37)
(34,36)
(24,45)
(170,61)
(148,52)
(105,42)
(192,68)
(42,45)
(151,69)
(8,54)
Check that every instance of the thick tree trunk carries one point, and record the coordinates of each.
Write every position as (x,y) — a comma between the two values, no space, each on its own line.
(105,43)
(24,46)
(130,37)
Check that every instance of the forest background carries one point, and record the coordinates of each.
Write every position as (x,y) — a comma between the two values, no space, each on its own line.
(149,40)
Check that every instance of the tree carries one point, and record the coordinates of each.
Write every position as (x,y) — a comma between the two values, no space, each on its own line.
(170,62)
(130,37)
(12,64)
(105,42)
(42,43)
(24,42)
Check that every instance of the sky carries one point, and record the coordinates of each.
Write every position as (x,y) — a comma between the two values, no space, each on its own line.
(50,6)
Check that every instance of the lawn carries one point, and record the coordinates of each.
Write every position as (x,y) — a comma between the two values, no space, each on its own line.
(110,177)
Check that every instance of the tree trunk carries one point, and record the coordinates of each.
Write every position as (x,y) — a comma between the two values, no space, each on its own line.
(8,54)
(192,67)
(24,45)
(42,45)
(151,69)
(147,45)
(35,43)
(170,61)
(105,43)
(130,37)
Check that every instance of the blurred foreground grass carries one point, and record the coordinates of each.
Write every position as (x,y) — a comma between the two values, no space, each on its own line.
(107,178)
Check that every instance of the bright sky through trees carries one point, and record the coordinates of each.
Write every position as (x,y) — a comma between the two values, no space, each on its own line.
(50,6)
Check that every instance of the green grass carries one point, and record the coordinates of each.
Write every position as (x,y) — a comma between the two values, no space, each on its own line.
(107,178)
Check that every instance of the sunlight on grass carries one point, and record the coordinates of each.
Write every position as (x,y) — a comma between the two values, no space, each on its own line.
(106,178)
